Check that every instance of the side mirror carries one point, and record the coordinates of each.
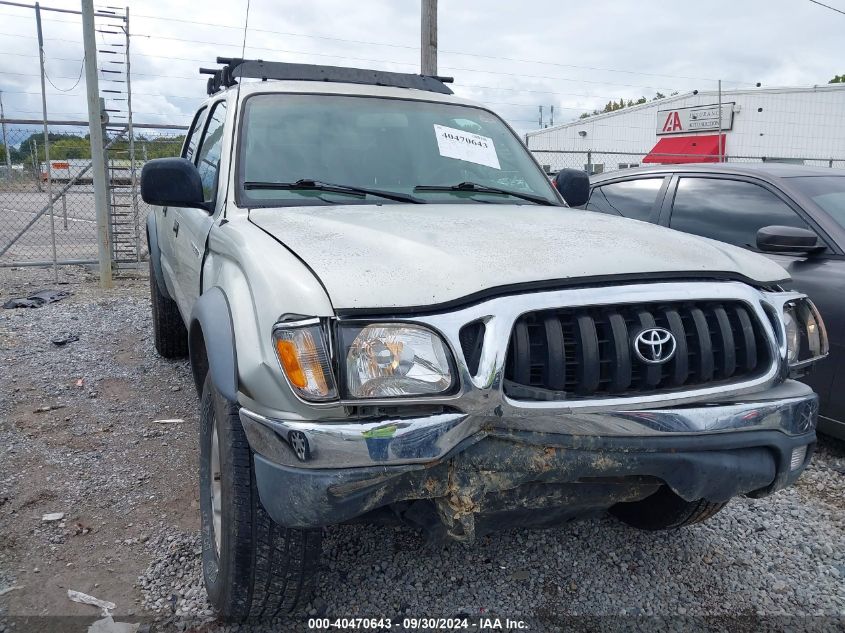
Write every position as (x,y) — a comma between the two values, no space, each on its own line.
(574,186)
(172,182)
(788,239)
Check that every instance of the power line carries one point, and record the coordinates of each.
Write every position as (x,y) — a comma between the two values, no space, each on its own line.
(462,85)
(827,6)
(380,61)
(197,98)
(465,53)
(365,59)
(594,68)
(403,46)
(78,79)
(307,53)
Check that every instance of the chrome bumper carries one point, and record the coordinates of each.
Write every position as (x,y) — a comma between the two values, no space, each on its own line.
(790,408)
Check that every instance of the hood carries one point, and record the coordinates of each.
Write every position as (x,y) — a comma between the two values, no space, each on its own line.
(419,255)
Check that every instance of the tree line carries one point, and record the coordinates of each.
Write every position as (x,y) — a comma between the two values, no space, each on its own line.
(70,146)
(613,106)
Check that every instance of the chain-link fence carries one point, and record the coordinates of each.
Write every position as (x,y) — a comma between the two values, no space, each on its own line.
(47,210)
(597,162)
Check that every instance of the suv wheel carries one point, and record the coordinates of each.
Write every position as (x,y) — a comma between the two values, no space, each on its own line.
(664,510)
(171,337)
(252,567)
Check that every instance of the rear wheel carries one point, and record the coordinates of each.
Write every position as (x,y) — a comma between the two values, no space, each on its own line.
(171,337)
(664,510)
(252,567)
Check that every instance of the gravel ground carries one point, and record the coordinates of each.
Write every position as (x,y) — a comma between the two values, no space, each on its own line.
(127,486)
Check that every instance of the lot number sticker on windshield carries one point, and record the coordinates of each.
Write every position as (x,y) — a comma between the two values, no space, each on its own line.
(473,148)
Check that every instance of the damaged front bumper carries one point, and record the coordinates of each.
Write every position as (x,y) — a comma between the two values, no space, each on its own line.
(562,464)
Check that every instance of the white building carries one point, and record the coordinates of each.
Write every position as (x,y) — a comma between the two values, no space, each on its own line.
(775,124)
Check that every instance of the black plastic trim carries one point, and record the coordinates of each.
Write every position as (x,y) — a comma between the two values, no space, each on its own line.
(284,71)
(553,284)
(211,313)
(235,68)
(155,253)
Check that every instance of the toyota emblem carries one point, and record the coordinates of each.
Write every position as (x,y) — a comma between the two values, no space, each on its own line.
(655,345)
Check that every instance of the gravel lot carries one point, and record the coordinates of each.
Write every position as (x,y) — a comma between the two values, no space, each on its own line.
(80,434)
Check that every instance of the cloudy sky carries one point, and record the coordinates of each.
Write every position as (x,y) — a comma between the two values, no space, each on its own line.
(514,56)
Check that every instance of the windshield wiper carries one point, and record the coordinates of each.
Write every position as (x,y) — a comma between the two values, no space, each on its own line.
(305,184)
(475,187)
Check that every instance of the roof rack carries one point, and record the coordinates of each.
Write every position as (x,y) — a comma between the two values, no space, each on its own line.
(235,68)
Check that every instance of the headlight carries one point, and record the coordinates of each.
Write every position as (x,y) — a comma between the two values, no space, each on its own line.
(806,337)
(388,360)
(302,354)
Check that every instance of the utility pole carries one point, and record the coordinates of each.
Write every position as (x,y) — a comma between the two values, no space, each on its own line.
(552,116)
(721,149)
(46,141)
(541,117)
(36,165)
(428,37)
(98,164)
(5,138)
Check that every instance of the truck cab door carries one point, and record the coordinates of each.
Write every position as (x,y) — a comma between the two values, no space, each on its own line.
(191,226)
(166,216)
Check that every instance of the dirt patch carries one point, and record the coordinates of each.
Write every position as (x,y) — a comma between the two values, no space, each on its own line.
(77,436)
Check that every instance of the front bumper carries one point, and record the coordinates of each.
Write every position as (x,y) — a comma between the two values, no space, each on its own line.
(313,474)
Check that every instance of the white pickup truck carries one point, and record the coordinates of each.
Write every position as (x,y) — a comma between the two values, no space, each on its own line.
(392,315)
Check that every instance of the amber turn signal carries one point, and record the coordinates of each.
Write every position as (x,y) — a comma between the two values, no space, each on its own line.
(302,354)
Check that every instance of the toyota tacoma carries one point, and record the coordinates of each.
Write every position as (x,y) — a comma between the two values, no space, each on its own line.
(391,314)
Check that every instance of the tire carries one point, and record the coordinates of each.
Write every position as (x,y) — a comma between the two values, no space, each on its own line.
(171,337)
(664,510)
(261,570)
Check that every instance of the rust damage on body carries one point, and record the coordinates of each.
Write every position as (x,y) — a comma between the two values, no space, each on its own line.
(497,479)
(502,477)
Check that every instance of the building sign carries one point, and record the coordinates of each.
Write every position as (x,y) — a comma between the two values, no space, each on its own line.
(695,119)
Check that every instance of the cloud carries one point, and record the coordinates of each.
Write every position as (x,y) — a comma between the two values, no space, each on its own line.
(579,55)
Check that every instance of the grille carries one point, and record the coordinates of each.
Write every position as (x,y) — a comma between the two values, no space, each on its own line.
(588,352)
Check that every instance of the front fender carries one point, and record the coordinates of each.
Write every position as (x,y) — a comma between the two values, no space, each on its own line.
(262,281)
(211,340)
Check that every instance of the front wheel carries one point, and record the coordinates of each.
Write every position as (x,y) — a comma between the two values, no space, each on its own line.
(664,510)
(252,567)
(170,334)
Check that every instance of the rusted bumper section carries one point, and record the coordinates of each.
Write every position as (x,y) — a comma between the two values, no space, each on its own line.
(525,478)
(475,469)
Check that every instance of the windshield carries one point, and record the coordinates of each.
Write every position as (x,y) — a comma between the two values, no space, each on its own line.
(377,144)
(826,191)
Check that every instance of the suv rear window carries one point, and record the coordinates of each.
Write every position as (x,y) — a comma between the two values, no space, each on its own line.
(630,198)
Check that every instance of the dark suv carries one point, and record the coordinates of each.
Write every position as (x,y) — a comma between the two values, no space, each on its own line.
(795,214)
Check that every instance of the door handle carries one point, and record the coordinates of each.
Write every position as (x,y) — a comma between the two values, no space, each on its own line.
(176,228)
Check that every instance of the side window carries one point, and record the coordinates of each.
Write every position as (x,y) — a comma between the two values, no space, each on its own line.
(730,211)
(630,198)
(208,159)
(193,138)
